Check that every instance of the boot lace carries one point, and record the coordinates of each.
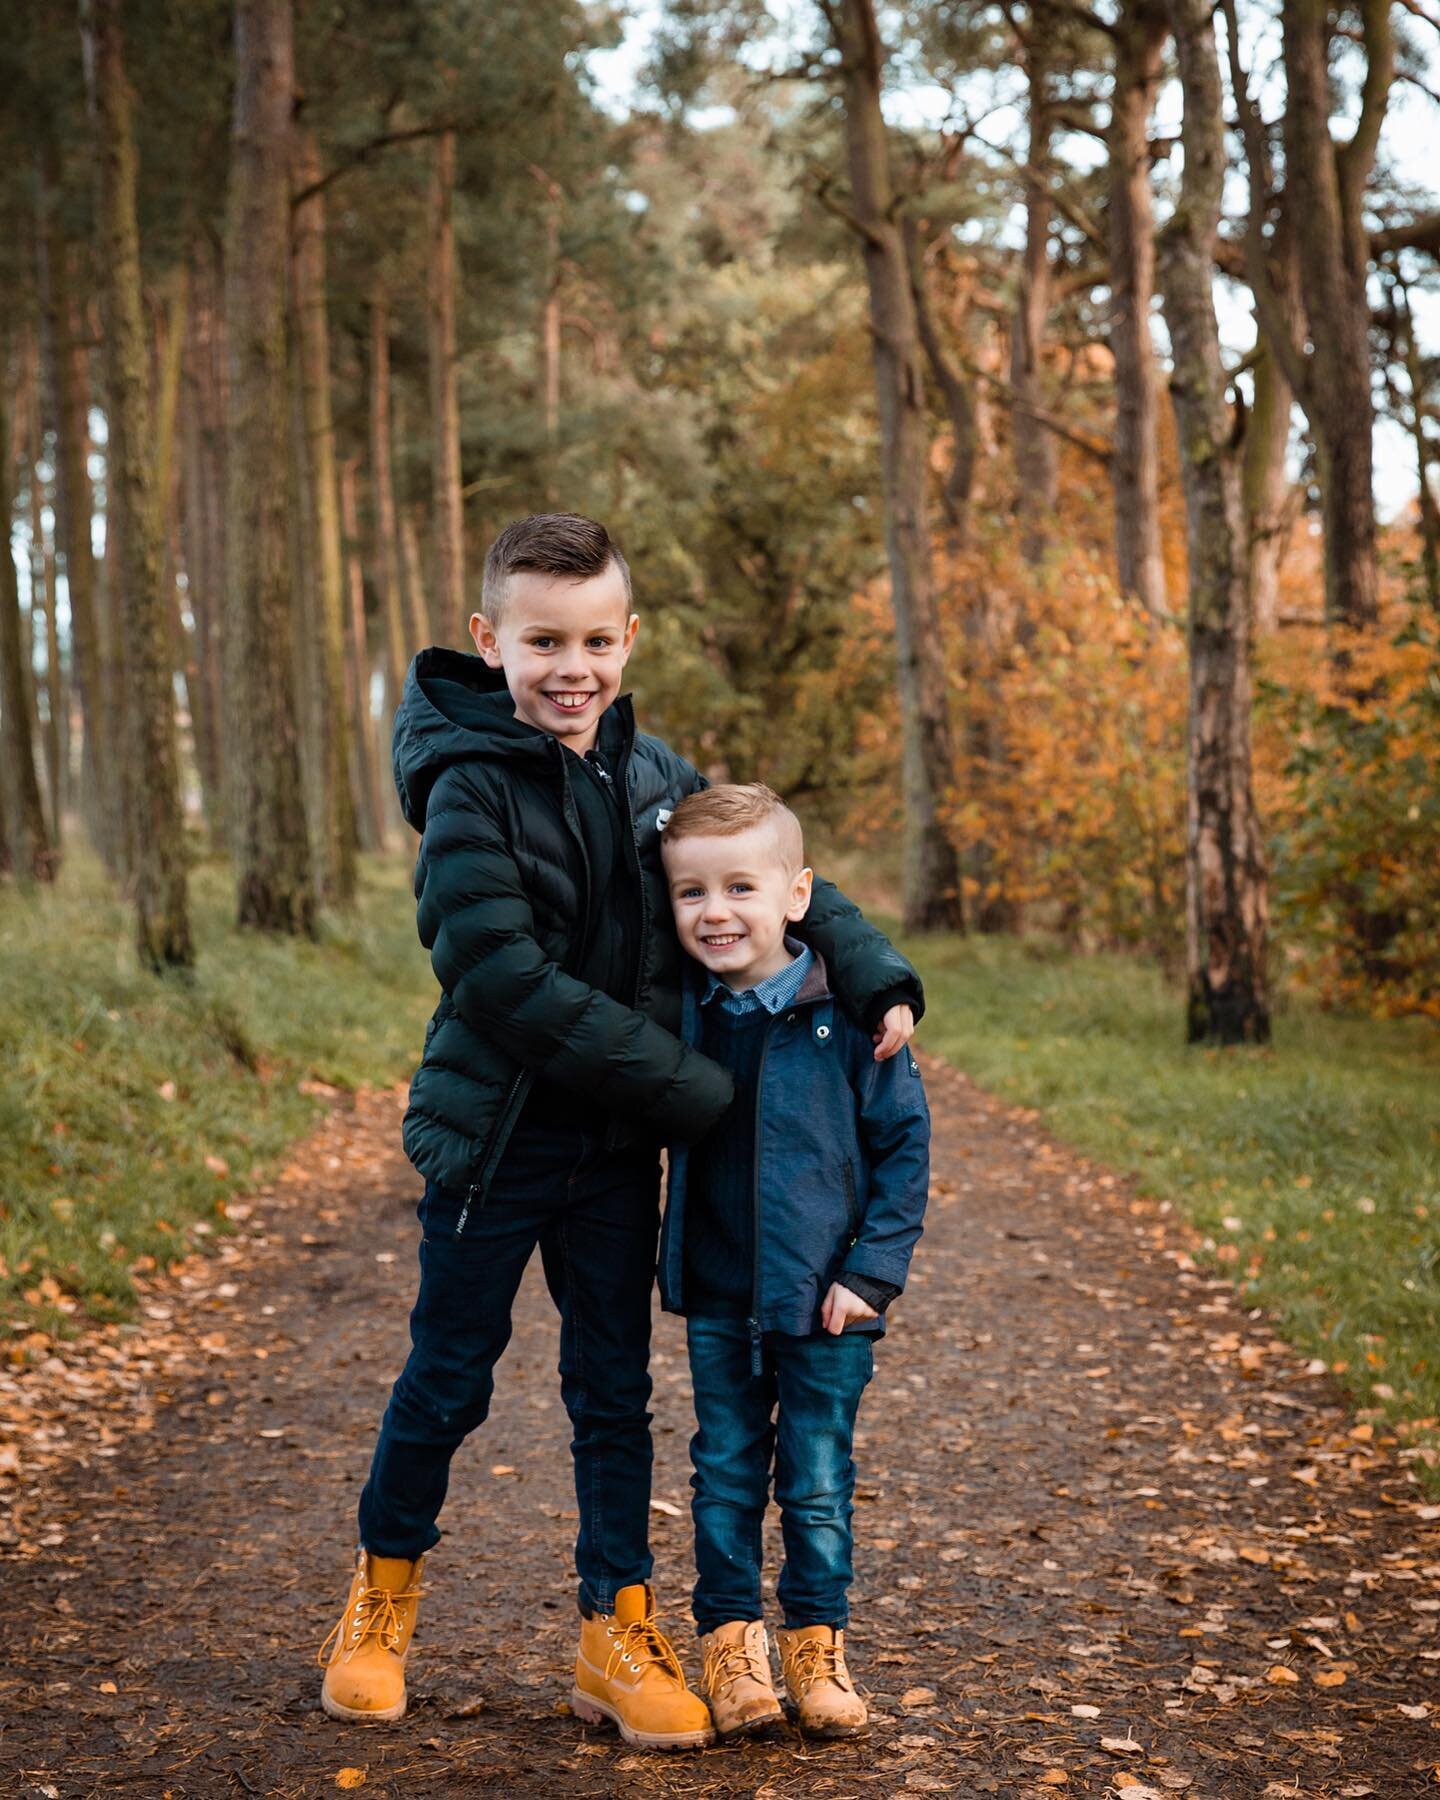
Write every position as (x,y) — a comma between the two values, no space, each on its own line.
(725,1664)
(816,1659)
(643,1644)
(376,1615)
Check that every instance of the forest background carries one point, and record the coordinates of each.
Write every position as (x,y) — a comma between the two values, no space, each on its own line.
(890,348)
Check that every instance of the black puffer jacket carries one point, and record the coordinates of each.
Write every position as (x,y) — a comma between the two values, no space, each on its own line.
(502,887)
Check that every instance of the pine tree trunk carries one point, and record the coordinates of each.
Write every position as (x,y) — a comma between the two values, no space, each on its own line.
(367,783)
(417,611)
(156,836)
(932,894)
(1325,194)
(42,594)
(327,601)
(262,755)
(75,506)
(28,840)
(382,487)
(1226,894)
(1035,459)
(1265,487)
(204,582)
(449,598)
(1135,468)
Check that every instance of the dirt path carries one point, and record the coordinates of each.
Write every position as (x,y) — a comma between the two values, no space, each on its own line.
(1113,1539)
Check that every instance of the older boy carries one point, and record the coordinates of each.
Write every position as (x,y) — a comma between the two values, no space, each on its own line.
(788,1230)
(551,1074)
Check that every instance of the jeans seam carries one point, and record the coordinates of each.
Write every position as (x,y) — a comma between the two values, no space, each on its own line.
(594,1510)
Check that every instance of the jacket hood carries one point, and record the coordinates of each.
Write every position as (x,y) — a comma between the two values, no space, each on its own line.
(456,708)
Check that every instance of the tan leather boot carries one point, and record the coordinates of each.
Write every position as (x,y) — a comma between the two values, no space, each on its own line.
(364,1656)
(818,1682)
(627,1674)
(737,1680)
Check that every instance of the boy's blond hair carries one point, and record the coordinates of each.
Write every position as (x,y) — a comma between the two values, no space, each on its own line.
(733,807)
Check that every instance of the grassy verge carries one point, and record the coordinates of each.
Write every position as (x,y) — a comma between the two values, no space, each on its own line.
(130,1106)
(1312,1168)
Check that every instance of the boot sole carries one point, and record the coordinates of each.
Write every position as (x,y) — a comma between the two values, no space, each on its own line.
(752,1727)
(591,1711)
(368,1715)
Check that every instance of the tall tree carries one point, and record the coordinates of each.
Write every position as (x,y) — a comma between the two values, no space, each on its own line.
(29,841)
(449,595)
(74,502)
(1036,467)
(1226,902)
(371,810)
(325,614)
(1140,34)
(932,894)
(155,834)
(1325,191)
(267,809)
(382,490)
(42,592)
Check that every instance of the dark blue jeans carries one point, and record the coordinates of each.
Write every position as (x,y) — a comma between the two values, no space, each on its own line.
(595,1215)
(799,1414)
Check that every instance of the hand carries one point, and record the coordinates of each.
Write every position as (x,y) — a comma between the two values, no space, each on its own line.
(896,1030)
(841,1306)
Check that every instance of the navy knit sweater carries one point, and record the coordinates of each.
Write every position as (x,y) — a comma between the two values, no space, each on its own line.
(720,1217)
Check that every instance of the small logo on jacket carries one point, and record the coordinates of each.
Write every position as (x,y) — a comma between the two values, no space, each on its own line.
(662,818)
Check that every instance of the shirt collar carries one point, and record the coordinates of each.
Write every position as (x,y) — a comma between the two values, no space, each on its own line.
(774,993)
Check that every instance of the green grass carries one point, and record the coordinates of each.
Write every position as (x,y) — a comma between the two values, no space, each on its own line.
(1312,1168)
(131,1106)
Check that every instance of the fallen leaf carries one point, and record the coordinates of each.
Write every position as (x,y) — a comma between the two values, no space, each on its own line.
(1052,1778)
(350,1778)
(1085,1712)
(1279,1674)
(1125,1746)
(501,1469)
(1416,1712)
(918,1696)
(468,1709)
(274,1432)
(1329,1678)
(665,1506)
(108,1687)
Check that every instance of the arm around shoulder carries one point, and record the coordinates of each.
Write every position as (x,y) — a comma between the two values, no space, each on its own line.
(866,970)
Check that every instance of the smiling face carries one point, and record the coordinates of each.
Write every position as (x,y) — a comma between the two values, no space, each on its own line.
(733,897)
(563,645)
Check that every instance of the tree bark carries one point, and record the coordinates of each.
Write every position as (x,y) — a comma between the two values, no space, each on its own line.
(28,840)
(955,390)
(1135,465)
(1325,194)
(417,611)
(42,583)
(382,489)
(367,782)
(156,836)
(326,695)
(204,569)
(1036,467)
(266,805)
(449,597)
(1226,902)
(75,507)
(1424,455)
(932,891)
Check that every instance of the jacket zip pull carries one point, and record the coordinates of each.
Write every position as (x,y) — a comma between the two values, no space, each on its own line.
(757,1365)
(471,1194)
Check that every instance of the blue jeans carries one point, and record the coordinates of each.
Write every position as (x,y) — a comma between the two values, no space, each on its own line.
(799,1414)
(595,1215)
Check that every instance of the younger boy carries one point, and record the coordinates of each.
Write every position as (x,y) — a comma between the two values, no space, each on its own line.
(551,1074)
(788,1231)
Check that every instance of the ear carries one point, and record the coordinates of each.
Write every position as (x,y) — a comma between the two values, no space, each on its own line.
(486,640)
(627,643)
(800,896)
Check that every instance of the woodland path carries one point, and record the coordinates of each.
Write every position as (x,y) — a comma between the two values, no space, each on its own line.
(1088,1480)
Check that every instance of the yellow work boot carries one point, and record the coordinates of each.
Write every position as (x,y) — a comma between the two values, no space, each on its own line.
(627,1674)
(364,1656)
(818,1682)
(737,1680)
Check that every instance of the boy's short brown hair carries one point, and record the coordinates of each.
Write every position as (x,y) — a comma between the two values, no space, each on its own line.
(733,807)
(566,544)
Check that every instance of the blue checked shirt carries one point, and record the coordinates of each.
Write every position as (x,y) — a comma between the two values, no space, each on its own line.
(771,995)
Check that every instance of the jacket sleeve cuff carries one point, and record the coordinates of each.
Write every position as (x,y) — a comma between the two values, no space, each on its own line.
(874,1293)
(904,993)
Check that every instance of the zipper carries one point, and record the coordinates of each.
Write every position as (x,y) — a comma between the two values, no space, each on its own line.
(852,1205)
(475,1193)
(757,1365)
